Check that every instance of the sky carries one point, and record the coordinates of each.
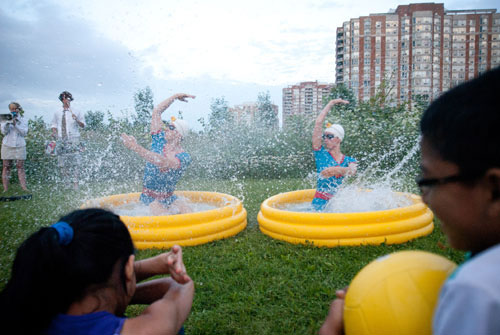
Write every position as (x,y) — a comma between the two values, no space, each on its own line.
(104,51)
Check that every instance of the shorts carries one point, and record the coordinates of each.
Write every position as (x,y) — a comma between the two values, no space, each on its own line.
(13,153)
(146,199)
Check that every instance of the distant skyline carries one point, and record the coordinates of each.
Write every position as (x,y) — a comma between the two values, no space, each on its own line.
(104,51)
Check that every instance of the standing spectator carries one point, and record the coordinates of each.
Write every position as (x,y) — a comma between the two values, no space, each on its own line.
(14,145)
(66,125)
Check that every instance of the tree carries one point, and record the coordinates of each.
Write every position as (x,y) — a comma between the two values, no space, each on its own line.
(220,116)
(420,101)
(94,120)
(341,91)
(266,116)
(143,107)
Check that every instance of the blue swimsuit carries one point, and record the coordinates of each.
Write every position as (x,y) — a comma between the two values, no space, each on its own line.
(327,187)
(159,184)
(103,323)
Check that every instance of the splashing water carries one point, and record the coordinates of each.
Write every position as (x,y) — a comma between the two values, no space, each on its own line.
(140,209)
(405,160)
(353,199)
(363,195)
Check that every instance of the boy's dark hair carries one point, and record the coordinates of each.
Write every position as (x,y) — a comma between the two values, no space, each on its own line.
(48,276)
(67,95)
(463,125)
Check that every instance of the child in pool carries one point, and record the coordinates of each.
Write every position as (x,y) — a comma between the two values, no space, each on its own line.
(166,162)
(332,165)
(79,275)
(460,182)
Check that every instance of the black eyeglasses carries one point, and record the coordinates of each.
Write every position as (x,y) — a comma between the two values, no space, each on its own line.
(328,136)
(425,183)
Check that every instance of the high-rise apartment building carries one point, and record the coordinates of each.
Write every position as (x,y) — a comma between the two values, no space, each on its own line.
(305,98)
(246,113)
(419,49)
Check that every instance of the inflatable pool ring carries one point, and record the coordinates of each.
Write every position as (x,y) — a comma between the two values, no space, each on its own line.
(391,226)
(183,229)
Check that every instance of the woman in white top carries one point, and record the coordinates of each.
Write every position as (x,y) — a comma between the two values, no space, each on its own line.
(14,145)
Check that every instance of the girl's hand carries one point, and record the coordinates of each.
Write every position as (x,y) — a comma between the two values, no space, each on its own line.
(336,102)
(175,265)
(129,141)
(183,96)
(352,169)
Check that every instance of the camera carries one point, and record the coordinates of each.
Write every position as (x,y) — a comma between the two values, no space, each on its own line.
(6,118)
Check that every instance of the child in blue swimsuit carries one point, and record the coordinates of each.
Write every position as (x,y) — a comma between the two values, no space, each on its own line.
(166,161)
(331,165)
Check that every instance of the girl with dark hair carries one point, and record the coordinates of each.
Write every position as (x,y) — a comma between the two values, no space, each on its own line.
(79,275)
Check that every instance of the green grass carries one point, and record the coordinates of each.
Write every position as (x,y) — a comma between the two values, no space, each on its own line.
(247,284)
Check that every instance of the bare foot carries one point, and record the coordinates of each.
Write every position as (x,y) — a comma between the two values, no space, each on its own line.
(157,209)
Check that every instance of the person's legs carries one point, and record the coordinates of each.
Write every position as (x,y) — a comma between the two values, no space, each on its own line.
(63,170)
(21,174)
(181,206)
(157,209)
(319,204)
(75,169)
(6,174)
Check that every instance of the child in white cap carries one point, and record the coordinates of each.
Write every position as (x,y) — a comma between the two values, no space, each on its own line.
(166,161)
(331,164)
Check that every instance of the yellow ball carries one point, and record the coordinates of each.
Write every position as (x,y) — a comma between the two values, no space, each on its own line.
(396,294)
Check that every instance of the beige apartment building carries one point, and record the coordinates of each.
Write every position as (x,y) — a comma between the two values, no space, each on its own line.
(305,98)
(418,48)
(246,113)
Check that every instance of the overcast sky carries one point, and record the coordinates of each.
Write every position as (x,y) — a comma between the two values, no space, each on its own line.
(104,51)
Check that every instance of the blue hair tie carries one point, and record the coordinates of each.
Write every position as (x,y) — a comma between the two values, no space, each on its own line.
(65,232)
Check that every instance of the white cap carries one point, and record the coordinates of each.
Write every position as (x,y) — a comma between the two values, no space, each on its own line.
(181,126)
(337,130)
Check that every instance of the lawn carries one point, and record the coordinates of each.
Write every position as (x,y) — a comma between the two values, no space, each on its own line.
(247,284)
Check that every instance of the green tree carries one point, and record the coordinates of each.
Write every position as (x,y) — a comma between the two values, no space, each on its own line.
(94,120)
(266,116)
(219,117)
(420,101)
(143,107)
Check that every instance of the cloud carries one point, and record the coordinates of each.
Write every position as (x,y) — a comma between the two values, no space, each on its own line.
(51,52)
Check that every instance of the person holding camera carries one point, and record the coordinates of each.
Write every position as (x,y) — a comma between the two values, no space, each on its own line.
(14,145)
(66,125)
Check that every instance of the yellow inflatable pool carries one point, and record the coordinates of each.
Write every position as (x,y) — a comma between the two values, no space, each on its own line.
(183,229)
(336,229)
